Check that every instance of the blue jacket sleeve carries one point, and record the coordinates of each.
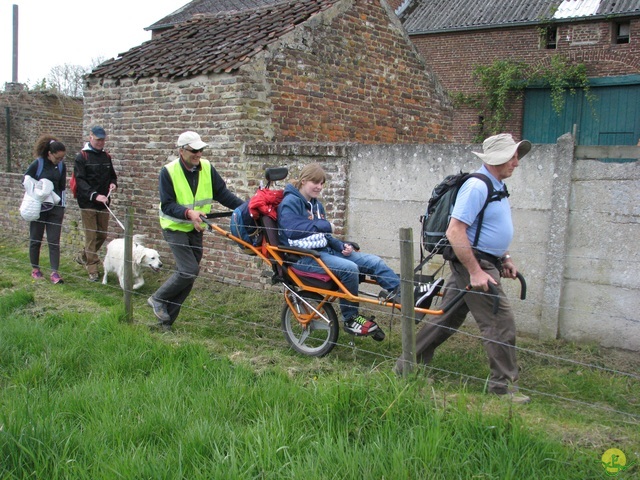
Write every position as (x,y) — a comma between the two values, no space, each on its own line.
(335,244)
(295,226)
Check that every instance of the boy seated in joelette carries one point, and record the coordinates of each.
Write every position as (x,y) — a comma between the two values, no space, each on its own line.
(302,223)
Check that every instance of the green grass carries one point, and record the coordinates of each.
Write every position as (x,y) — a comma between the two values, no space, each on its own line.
(86,395)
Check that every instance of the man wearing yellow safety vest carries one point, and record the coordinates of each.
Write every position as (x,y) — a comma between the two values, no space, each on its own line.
(188,186)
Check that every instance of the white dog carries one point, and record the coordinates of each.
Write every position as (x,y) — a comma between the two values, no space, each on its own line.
(114,260)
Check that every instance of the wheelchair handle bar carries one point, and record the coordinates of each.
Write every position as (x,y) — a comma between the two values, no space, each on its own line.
(215,215)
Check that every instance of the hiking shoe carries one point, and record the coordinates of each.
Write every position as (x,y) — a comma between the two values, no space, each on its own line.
(56,278)
(160,311)
(360,326)
(80,258)
(514,397)
(37,274)
(93,277)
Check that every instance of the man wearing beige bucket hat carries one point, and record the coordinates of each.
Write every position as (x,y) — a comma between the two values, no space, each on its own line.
(481,264)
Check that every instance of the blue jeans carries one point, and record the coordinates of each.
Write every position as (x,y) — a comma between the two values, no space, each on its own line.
(348,270)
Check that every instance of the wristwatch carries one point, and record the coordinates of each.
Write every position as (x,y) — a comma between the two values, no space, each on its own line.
(506,257)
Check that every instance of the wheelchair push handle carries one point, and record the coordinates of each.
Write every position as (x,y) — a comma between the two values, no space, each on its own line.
(215,215)
(493,291)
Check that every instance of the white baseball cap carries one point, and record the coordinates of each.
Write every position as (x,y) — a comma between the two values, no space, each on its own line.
(191,139)
(500,149)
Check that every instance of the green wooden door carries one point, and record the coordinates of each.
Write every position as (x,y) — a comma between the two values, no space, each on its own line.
(612,117)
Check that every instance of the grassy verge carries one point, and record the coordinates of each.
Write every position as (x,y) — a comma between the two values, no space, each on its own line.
(85,395)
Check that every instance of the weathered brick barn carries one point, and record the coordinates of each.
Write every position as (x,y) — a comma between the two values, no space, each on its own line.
(302,71)
(456,36)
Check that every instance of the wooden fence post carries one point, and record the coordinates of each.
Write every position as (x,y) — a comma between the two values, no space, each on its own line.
(128,264)
(407,301)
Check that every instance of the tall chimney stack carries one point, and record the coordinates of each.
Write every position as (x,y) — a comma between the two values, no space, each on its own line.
(14,75)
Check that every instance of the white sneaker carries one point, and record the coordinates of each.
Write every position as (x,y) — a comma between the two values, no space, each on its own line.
(432,289)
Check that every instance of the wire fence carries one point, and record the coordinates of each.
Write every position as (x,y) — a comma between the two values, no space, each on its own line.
(208,279)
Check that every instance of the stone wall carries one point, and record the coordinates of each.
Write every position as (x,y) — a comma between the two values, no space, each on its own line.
(32,114)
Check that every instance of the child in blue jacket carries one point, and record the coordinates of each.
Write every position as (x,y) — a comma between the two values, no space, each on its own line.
(302,223)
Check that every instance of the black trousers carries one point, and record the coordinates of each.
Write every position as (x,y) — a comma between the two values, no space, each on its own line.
(51,223)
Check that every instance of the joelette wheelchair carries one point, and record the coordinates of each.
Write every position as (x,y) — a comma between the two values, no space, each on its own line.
(309,321)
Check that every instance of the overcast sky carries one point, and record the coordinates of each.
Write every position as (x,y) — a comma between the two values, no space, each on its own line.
(74,32)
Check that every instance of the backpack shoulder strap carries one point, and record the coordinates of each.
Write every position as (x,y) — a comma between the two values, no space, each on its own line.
(490,198)
(487,182)
(39,168)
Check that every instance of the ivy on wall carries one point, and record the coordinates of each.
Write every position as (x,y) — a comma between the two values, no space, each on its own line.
(503,82)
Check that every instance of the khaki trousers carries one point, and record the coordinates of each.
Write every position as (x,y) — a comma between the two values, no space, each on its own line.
(498,330)
(96,227)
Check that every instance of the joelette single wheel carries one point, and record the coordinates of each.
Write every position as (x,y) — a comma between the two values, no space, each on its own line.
(309,323)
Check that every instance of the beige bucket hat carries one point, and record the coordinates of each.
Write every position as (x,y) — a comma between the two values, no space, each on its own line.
(499,149)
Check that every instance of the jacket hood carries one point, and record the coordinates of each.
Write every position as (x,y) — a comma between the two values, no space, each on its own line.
(87,147)
(289,189)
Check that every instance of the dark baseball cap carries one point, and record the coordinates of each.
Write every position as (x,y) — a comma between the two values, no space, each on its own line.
(98,132)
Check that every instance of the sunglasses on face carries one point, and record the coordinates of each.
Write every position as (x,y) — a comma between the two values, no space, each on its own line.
(191,150)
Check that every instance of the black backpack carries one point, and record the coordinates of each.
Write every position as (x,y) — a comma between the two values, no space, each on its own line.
(436,219)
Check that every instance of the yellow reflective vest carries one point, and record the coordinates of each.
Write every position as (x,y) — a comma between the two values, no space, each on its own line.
(201,202)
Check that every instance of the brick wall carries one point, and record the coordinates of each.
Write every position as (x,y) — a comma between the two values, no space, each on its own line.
(394,3)
(141,140)
(32,114)
(355,77)
(143,120)
(317,84)
(454,55)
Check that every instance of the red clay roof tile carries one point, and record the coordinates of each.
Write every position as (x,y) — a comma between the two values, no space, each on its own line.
(211,44)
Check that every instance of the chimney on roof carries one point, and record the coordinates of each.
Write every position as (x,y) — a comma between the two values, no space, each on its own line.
(14,73)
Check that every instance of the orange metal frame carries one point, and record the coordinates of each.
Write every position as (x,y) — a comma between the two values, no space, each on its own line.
(268,252)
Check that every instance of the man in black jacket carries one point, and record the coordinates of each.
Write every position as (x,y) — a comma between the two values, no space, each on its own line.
(95,180)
